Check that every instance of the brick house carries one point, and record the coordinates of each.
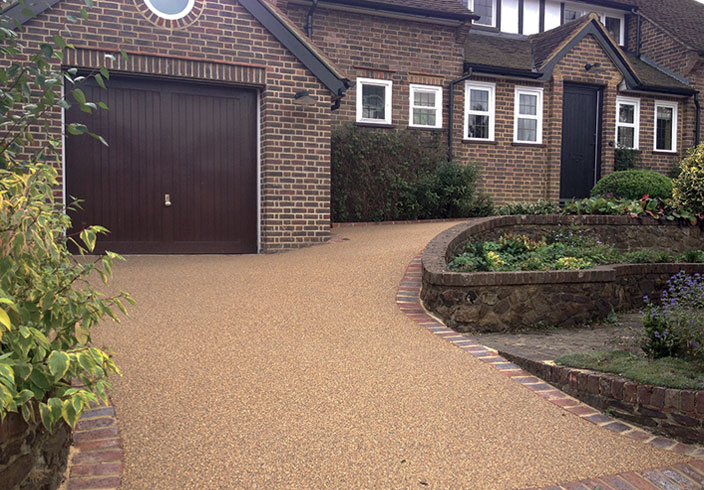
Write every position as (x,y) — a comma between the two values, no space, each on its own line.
(531,90)
(209,149)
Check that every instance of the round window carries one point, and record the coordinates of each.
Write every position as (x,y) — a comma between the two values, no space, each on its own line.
(170,9)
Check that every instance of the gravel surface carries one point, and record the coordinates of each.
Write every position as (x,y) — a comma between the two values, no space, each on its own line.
(298,371)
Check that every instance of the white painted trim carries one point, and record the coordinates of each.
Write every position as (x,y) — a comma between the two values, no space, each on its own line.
(584,9)
(493,14)
(491,87)
(438,104)
(673,106)
(180,15)
(538,93)
(388,91)
(63,151)
(259,172)
(636,119)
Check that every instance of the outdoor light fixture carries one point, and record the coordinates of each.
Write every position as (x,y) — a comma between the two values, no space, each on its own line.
(594,68)
(303,97)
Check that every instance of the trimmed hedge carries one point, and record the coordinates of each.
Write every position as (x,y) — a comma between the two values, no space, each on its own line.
(381,175)
(634,184)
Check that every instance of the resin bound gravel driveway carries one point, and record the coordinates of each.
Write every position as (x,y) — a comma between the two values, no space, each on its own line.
(298,371)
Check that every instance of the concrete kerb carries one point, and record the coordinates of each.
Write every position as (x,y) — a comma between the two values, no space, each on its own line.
(679,476)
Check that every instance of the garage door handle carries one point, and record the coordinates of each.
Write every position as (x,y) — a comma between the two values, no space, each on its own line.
(167,200)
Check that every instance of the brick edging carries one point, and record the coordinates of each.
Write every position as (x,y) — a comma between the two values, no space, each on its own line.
(99,460)
(691,473)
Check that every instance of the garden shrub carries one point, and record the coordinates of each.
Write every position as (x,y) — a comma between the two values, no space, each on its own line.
(688,191)
(626,158)
(537,207)
(47,304)
(675,326)
(645,206)
(634,184)
(394,175)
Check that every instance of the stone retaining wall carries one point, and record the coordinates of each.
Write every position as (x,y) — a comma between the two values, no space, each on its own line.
(32,458)
(671,412)
(506,301)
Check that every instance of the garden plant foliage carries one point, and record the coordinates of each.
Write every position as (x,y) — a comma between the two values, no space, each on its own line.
(566,248)
(634,184)
(47,304)
(397,175)
(688,190)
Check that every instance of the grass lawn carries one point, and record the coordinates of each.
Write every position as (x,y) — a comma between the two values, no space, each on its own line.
(667,371)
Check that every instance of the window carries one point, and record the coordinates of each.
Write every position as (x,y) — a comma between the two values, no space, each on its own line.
(374,101)
(627,122)
(485,9)
(170,9)
(613,26)
(570,15)
(479,111)
(665,126)
(425,106)
(528,115)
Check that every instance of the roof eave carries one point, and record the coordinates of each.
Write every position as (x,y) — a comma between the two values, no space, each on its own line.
(479,68)
(415,11)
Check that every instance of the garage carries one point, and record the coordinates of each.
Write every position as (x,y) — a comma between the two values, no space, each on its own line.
(180,172)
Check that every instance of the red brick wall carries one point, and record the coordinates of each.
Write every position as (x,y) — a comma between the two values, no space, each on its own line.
(659,46)
(295,141)
(371,46)
(520,172)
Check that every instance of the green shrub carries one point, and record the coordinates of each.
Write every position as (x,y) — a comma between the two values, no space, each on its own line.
(394,175)
(688,190)
(645,206)
(634,184)
(537,207)
(626,158)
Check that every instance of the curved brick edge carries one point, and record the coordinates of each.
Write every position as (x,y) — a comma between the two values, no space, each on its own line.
(682,476)
(98,462)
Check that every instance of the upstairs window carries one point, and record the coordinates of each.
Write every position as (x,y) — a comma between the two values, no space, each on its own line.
(479,111)
(425,106)
(170,9)
(570,14)
(613,26)
(528,115)
(374,101)
(485,9)
(665,126)
(627,122)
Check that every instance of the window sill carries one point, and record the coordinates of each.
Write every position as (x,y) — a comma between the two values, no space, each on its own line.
(480,142)
(426,128)
(529,145)
(665,152)
(374,125)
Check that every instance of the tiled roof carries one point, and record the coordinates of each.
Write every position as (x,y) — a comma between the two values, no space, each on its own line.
(442,8)
(506,53)
(683,19)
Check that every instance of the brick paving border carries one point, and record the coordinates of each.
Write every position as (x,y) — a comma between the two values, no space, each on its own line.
(688,476)
(99,458)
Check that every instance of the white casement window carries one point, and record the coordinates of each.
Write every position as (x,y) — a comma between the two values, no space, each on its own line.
(485,9)
(479,114)
(374,101)
(425,106)
(528,115)
(627,122)
(665,126)
(613,20)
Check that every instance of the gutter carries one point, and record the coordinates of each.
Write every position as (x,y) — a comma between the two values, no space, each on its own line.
(499,70)
(451,111)
(309,20)
(415,11)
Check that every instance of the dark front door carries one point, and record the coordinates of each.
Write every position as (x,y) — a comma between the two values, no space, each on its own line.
(581,136)
(179,175)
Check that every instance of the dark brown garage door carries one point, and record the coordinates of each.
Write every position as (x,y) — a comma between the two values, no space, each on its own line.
(179,175)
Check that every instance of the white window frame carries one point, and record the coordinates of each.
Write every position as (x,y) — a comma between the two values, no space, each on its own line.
(180,15)
(493,14)
(538,92)
(636,119)
(673,106)
(491,87)
(603,14)
(388,90)
(438,104)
